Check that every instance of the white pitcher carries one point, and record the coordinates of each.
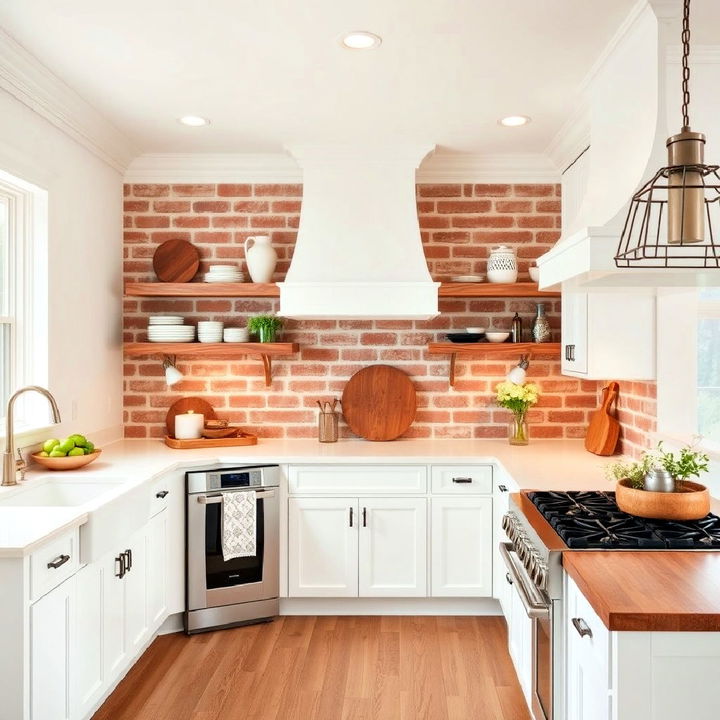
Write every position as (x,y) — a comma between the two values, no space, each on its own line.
(261,258)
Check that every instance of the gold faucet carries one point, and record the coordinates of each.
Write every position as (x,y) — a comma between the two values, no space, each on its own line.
(11,466)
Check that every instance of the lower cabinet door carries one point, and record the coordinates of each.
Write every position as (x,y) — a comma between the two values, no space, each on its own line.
(86,658)
(393,547)
(520,642)
(462,536)
(322,547)
(157,570)
(135,581)
(115,649)
(51,629)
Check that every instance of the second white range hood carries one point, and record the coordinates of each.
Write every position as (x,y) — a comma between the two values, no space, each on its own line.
(358,252)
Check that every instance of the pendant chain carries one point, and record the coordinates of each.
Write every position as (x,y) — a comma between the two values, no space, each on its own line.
(685,64)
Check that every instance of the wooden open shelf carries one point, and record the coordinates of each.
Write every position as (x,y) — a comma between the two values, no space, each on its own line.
(487,348)
(216,351)
(494,290)
(202,289)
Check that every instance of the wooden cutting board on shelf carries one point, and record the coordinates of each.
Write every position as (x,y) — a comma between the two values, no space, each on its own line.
(197,405)
(604,429)
(176,261)
(379,402)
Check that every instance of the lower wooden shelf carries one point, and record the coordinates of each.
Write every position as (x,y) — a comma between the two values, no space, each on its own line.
(216,351)
(487,348)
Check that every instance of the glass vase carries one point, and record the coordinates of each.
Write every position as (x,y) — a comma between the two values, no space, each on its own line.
(267,334)
(518,430)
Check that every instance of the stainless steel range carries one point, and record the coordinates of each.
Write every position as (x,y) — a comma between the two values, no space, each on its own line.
(540,526)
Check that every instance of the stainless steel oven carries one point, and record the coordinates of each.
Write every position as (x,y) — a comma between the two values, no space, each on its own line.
(223,593)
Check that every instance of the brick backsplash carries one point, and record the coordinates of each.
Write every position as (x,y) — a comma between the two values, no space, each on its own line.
(459,224)
(636,412)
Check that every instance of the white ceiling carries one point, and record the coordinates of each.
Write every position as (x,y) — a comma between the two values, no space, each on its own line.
(270,72)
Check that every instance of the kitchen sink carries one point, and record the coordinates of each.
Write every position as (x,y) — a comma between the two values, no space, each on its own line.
(59,493)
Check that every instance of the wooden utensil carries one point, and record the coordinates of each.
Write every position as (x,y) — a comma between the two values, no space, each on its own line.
(197,405)
(379,402)
(604,429)
(176,261)
(240,439)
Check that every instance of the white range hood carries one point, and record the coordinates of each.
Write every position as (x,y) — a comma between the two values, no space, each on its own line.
(633,104)
(358,252)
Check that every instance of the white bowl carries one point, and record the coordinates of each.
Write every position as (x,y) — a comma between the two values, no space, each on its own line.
(210,325)
(223,268)
(475,330)
(166,320)
(497,336)
(534,273)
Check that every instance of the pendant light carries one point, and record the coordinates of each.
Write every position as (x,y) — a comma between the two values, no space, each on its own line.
(670,220)
(517,374)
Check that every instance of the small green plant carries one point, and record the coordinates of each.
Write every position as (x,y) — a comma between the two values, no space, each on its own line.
(687,463)
(266,327)
(632,470)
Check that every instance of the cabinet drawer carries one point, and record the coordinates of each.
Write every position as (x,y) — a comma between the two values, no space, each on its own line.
(49,566)
(159,496)
(462,479)
(357,479)
(595,644)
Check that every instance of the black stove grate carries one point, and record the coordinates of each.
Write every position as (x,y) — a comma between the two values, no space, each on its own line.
(592,520)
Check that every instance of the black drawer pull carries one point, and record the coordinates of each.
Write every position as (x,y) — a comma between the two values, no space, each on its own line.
(582,627)
(462,479)
(502,488)
(120,571)
(351,517)
(508,578)
(364,517)
(57,562)
(128,562)
(162,494)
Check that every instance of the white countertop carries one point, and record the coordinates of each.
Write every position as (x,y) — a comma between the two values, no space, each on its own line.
(543,464)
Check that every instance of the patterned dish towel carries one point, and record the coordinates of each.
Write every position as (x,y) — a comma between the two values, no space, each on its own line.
(239,525)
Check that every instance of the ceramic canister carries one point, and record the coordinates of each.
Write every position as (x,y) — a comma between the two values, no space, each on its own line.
(502,265)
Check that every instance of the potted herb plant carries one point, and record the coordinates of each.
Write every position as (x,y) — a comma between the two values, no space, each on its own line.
(639,490)
(518,399)
(265,327)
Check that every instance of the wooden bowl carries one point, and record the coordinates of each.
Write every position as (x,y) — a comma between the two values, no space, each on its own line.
(66,463)
(691,503)
(214,433)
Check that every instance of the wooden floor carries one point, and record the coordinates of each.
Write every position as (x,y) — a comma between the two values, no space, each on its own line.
(327,668)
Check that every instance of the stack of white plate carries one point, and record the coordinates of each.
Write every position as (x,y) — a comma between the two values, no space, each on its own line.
(210,331)
(224,274)
(166,320)
(171,333)
(236,335)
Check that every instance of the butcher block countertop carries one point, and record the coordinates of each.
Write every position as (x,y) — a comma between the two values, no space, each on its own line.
(650,591)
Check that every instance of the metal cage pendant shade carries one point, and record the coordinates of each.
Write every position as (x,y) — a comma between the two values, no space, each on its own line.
(672,219)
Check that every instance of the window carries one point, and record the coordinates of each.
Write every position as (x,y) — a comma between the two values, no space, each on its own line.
(23,297)
(708,365)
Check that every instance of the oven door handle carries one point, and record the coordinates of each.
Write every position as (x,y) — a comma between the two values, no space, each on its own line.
(213,499)
(535,609)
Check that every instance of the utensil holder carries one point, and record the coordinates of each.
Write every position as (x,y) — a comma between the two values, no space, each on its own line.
(328,427)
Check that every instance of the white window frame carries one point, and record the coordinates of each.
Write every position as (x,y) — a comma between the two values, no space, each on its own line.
(27,300)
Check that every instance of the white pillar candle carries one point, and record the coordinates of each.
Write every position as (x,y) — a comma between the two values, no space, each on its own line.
(189,425)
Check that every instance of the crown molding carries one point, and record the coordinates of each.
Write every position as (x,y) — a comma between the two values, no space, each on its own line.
(24,77)
(281,168)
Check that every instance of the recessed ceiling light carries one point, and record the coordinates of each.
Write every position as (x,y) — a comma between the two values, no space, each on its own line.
(193,120)
(360,40)
(514,120)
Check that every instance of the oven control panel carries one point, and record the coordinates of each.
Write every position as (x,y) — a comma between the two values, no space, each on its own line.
(234,479)
(231,478)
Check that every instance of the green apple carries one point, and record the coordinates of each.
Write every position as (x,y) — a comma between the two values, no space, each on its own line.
(76,451)
(79,440)
(66,445)
(57,452)
(50,444)
(89,447)
(43,454)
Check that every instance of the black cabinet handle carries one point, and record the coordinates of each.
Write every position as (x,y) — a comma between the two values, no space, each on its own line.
(502,488)
(351,517)
(120,561)
(462,479)
(57,562)
(508,578)
(128,556)
(364,517)
(162,494)
(582,627)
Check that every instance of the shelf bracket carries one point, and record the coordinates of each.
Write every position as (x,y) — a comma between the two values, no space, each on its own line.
(451,378)
(267,366)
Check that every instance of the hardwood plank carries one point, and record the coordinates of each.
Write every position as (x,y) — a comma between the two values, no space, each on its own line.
(488,348)
(216,350)
(201,289)
(327,668)
(495,290)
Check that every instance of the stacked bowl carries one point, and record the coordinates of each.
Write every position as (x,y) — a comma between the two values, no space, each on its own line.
(236,335)
(224,274)
(169,328)
(210,331)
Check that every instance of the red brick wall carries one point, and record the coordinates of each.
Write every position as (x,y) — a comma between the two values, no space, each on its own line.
(637,413)
(459,224)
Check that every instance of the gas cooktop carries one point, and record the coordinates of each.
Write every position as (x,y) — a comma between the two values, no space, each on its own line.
(592,520)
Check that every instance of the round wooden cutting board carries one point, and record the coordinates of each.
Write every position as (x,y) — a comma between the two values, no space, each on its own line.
(176,261)
(197,405)
(379,402)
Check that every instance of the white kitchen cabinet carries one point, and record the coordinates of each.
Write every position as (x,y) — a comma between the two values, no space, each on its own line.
(393,547)
(52,620)
(520,641)
(504,485)
(112,602)
(323,547)
(157,564)
(135,580)
(608,334)
(86,659)
(461,542)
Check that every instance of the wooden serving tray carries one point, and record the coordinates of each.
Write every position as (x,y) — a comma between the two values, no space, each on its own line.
(239,439)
